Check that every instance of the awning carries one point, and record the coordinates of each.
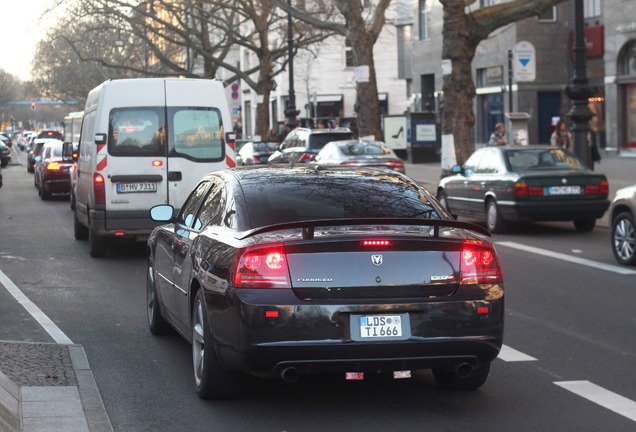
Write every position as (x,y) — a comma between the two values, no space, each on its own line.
(329,98)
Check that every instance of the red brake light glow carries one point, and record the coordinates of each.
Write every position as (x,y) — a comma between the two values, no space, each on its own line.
(99,188)
(376,243)
(157,163)
(478,265)
(53,166)
(262,267)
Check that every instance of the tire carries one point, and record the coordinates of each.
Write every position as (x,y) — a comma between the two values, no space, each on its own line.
(79,230)
(584,225)
(96,244)
(623,240)
(449,380)
(44,194)
(443,200)
(211,380)
(494,222)
(157,324)
(30,168)
(72,200)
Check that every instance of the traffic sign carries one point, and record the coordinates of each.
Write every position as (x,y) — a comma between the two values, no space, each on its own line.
(524,61)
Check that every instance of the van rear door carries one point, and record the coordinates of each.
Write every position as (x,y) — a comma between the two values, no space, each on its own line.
(135,158)
(197,116)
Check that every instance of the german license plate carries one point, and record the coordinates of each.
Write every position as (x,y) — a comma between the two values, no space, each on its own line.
(380,326)
(136,187)
(564,190)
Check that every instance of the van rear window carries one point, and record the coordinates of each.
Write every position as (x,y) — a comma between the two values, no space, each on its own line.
(136,132)
(196,133)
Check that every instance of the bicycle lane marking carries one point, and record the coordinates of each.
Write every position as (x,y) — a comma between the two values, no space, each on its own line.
(49,326)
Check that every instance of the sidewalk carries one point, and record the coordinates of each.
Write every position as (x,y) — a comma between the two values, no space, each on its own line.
(47,387)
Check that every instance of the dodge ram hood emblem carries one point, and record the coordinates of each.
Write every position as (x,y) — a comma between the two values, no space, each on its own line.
(376,260)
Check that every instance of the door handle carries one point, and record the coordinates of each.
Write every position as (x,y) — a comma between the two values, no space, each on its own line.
(175,176)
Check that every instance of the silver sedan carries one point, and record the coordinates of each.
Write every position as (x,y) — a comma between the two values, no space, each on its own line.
(359,153)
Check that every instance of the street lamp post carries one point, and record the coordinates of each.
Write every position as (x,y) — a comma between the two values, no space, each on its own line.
(290,110)
(579,92)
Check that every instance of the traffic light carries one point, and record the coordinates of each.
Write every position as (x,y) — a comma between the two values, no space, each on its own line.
(33,105)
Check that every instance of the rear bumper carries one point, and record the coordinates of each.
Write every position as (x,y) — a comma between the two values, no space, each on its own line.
(558,211)
(122,224)
(321,339)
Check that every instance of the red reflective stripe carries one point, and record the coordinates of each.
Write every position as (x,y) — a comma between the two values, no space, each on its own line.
(230,163)
(100,147)
(230,144)
(102,163)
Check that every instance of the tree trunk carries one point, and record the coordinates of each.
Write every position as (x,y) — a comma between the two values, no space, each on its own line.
(459,46)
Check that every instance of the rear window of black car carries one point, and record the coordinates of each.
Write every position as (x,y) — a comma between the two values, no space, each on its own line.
(278,199)
(318,140)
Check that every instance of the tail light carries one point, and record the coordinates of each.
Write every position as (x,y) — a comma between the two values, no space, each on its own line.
(262,267)
(602,188)
(99,188)
(54,166)
(479,265)
(396,164)
(522,189)
(306,157)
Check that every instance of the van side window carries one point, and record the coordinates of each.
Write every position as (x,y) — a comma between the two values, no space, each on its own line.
(196,133)
(136,132)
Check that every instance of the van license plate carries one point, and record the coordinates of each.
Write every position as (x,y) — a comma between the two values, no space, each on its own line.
(380,326)
(136,187)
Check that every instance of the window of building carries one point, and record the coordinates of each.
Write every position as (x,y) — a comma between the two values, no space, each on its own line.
(591,8)
(423,17)
(549,16)
(629,60)
(490,76)
(348,55)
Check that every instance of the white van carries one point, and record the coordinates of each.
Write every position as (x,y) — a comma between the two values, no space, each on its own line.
(145,142)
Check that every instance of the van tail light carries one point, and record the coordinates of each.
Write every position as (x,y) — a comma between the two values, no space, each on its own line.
(479,265)
(99,188)
(306,157)
(262,267)
(54,166)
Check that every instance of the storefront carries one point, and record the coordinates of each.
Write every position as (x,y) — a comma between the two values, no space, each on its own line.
(627,91)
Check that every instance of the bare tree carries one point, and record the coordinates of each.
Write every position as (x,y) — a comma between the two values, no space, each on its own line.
(463,31)
(361,28)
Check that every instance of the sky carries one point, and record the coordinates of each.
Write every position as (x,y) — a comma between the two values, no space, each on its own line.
(20,31)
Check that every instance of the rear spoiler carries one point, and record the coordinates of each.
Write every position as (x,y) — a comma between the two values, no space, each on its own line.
(309,226)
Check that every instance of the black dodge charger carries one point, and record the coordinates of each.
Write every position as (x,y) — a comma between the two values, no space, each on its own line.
(286,271)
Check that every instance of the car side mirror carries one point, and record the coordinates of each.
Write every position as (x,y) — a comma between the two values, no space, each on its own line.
(456,169)
(67,151)
(100,138)
(162,213)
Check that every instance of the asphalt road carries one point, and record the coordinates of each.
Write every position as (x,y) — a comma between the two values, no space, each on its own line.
(567,364)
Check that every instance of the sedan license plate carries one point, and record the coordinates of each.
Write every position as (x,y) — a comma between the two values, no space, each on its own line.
(564,190)
(380,326)
(136,187)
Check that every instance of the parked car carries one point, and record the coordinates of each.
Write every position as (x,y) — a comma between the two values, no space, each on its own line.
(302,144)
(360,153)
(24,139)
(257,272)
(6,139)
(5,154)
(525,183)
(255,153)
(52,171)
(34,151)
(622,215)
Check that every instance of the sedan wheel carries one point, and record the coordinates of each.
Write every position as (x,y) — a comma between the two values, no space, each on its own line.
(623,239)
(449,380)
(443,200)
(156,322)
(211,380)
(494,221)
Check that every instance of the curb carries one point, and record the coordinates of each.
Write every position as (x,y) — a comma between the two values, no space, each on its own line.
(69,405)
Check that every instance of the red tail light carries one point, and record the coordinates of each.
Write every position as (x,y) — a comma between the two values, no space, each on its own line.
(262,267)
(602,188)
(99,188)
(522,189)
(479,265)
(396,164)
(53,166)
(376,243)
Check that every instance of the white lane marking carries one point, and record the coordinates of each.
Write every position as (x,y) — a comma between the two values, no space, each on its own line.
(46,323)
(508,354)
(564,257)
(605,398)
